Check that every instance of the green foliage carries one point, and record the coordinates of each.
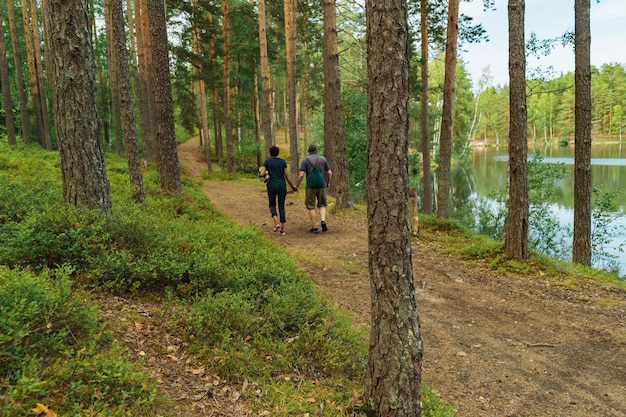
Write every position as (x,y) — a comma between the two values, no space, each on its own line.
(603,217)
(56,352)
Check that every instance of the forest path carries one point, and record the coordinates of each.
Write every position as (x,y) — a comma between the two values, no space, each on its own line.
(494,344)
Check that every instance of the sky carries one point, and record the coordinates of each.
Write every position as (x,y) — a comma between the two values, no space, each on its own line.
(547,19)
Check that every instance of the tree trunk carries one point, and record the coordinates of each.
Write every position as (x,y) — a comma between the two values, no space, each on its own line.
(6,90)
(113,82)
(215,96)
(427,181)
(72,75)
(228,130)
(143,71)
(126,102)
(290,52)
(266,110)
(447,112)
(581,252)
(516,222)
(32,73)
(45,117)
(163,121)
(17,61)
(395,352)
(201,90)
(334,134)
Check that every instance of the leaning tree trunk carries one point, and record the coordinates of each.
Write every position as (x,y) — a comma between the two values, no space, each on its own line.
(516,222)
(73,81)
(395,351)
(581,252)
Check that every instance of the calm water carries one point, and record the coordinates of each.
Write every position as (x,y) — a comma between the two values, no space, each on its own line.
(608,171)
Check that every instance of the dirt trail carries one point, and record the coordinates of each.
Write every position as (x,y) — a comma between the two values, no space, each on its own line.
(494,345)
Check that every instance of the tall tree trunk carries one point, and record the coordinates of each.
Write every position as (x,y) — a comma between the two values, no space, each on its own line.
(516,222)
(113,82)
(266,110)
(17,61)
(163,105)
(32,73)
(228,130)
(6,90)
(427,182)
(217,119)
(143,77)
(290,55)
(447,112)
(201,90)
(334,134)
(73,80)
(126,102)
(581,252)
(395,347)
(45,117)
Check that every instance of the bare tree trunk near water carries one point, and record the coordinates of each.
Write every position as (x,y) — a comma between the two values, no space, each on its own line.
(581,252)
(516,222)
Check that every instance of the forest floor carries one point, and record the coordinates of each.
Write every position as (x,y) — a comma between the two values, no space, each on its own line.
(495,344)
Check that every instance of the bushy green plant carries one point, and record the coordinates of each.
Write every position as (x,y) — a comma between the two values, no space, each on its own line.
(55,351)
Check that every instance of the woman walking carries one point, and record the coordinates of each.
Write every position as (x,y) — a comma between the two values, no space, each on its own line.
(274,169)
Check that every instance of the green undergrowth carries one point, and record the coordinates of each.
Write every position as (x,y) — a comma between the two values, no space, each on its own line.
(241,304)
(452,238)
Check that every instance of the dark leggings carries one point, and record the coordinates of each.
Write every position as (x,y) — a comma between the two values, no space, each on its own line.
(272,195)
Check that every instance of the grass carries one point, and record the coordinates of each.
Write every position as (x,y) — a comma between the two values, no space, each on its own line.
(243,307)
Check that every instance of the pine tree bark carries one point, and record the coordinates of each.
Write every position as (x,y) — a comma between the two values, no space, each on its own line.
(215,98)
(32,75)
(143,70)
(6,90)
(200,87)
(395,347)
(228,129)
(163,104)
(427,182)
(72,75)
(516,221)
(581,252)
(266,110)
(126,101)
(290,55)
(45,117)
(447,112)
(114,86)
(21,91)
(334,133)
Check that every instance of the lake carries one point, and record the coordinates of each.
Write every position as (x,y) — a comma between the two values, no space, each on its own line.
(608,172)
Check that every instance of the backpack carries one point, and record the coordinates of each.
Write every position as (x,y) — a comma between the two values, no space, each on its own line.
(315,179)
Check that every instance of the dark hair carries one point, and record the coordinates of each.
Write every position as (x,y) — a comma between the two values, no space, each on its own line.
(274,150)
(312,148)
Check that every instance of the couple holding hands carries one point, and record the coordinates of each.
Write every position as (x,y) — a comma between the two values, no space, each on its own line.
(318,176)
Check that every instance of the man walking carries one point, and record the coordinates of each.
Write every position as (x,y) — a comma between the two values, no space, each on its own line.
(318,176)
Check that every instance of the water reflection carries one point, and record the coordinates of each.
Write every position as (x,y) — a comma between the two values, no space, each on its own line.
(608,172)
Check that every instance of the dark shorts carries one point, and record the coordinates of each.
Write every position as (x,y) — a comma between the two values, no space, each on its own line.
(313,194)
